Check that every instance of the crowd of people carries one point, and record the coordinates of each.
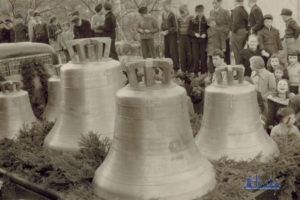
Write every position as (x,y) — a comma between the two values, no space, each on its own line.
(103,24)
(196,44)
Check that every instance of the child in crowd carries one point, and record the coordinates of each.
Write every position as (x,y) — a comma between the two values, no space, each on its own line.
(277,100)
(216,40)
(279,72)
(217,57)
(263,80)
(66,36)
(293,72)
(274,61)
(287,119)
(269,37)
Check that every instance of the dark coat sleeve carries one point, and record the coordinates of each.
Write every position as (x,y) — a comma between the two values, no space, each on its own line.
(172,24)
(293,24)
(278,40)
(236,15)
(109,24)
(259,21)
(191,31)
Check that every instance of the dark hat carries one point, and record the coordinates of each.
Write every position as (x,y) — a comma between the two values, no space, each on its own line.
(98,8)
(257,62)
(75,19)
(75,13)
(18,16)
(36,14)
(52,19)
(199,7)
(268,17)
(286,12)
(292,53)
(107,6)
(143,10)
(8,21)
(218,52)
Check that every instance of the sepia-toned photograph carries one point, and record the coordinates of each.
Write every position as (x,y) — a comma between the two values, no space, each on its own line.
(149,99)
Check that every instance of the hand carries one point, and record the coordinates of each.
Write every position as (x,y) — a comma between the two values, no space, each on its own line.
(140,30)
(264,53)
(203,36)
(224,50)
(197,35)
(147,31)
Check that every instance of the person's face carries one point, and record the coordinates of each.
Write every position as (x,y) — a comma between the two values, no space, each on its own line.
(278,74)
(268,22)
(199,12)
(284,18)
(184,11)
(282,87)
(217,61)
(66,27)
(216,4)
(293,60)
(9,24)
(253,43)
(166,7)
(289,120)
(274,62)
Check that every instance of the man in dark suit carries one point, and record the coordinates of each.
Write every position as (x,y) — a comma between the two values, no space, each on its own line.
(223,22)
(109,29)
(256,17)
(239,28)
(82,28)
(198,32)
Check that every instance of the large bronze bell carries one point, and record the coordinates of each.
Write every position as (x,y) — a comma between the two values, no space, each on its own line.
(15,110)
(54,98)
(88,86)
(231,123)
(153,155)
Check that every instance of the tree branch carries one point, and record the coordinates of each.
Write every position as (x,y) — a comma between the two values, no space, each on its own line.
(136,4)
(88,6)
(154,4)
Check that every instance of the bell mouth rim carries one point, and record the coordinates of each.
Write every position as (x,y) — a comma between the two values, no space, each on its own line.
(156,86)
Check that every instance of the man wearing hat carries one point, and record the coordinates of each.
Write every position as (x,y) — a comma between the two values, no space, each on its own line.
(263,80)
(98,20)
(185,47)
(239,28)
(147,27)
(40,30)
(109,29)
(82,28)
(223,24)
(269,37)
(169,32)
(292,30)
(256,21)
(7,32)
(20,29)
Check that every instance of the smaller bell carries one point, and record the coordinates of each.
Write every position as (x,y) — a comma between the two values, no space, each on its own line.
(15,110)
(54,97)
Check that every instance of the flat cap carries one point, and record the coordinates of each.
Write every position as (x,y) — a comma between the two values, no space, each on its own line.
(75,13)
(107,6)
(286,12)
(36,14)
(257,62)
(143,10)
(98,8)
(268,16)
(18,16)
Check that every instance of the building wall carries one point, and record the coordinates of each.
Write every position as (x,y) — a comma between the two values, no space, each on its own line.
(268,6)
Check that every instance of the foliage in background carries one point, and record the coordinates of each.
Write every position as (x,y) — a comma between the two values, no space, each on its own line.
(69,174)
(30,71)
